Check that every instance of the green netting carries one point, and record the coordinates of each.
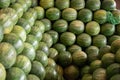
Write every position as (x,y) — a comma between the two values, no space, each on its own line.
(111,18)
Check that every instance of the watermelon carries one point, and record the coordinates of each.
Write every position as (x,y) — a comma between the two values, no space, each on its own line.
(1,33)
(24,5)
(115,45)
(41,57)
(51,63)
(15,73)
(59,70)
(33,41)
(107,29)
(7,54)
(84,40)
(85,15)
(99,74)
(59,47)
(92,53)
(116,14)
(71,72)
(100,16)
(107,59)
(54,35)
(60,25)
(41,25)
(113,69)
(28,51)
(47,24)
(23,63)
(33,12)
(87,77)
(93,4)
(74,48)
(43,47)
(62,4)
(76,27)
(85,70)
(53,53)
(47,39)
(95,65)
(40,12)
(19,9)
(111,5)
(38,70)
(99,40)
(32,77)
(20,31)
(64,58)
(92,28)
(69,14)
(28,16)
(14,40)
(25,24)
(79,57)
(103,50)
(77,4)
(67,38)
(117,56)
(34,3)
(46,4)
(4,3)
(115,77)
(3,72)
(36,31)
(113,38)
(51,74)
(53,13)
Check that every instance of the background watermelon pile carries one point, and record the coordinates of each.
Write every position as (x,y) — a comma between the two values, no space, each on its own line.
(59,40)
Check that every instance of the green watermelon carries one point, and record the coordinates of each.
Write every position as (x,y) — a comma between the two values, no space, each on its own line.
(53,53)
(41,57)
(67,38)
(46,3)
(23,63)
(92,28)
(69,14)
(60,25)
(14,40)
(15,73)
(40,12)
(108,59)
(53,13)
(43,47)
(54,35)
(3,72)
(59,47)
(38,70)
(93,4)
(79,57)
(92,53)
(107,29)
(47,24)
(7,54)
(85,70)
(64,58)
(18,8)
(51,63)
(62,4)
(71,72)
(34,3)
(24,5)
(4,3)
(47,38)
(33,41)
(33,12)
(76,27)
(113,38)
(25,24)
(84,40)
(87,77)
(115,45)
(77,4)
(51,74)
(85,15)
(32,77)
(20,31)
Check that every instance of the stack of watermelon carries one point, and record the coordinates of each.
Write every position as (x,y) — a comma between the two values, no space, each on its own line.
(59,40)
